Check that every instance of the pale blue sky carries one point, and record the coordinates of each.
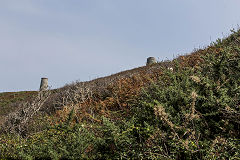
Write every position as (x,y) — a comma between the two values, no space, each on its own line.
(69,40)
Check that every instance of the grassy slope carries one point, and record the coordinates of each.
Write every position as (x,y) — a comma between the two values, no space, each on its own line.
(9,101)
(113,96)
(193,59)
(8,98)
(102,88)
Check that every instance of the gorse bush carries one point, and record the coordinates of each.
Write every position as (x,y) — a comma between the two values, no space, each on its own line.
(190,112)
(195,108)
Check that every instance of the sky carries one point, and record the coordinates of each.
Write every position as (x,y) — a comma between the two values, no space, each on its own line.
(80,40)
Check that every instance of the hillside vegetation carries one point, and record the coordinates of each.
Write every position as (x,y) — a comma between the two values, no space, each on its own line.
(151,112)
(9,102)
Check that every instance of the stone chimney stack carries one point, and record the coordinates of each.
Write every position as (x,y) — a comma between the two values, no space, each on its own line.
(44,84)
(151,60)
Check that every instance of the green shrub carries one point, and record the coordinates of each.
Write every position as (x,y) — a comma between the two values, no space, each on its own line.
(64,141)
(193,106)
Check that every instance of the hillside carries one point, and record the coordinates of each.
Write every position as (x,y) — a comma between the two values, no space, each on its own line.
(9,101)
(151,112)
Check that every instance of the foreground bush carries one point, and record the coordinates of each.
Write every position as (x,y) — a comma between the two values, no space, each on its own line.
(190,113)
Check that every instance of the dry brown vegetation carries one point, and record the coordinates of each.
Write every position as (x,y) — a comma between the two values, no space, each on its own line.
(95,98)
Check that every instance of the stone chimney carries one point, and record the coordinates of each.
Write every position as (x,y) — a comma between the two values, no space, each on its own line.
(151,60)
(44,84)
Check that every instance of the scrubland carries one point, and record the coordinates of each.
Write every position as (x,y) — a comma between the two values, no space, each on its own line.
(151,112)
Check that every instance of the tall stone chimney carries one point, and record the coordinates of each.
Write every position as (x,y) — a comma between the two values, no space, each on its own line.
(44,84)
(151,60)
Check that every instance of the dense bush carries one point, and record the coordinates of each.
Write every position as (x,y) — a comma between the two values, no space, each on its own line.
(195,111)
(190,113)
(57,142)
